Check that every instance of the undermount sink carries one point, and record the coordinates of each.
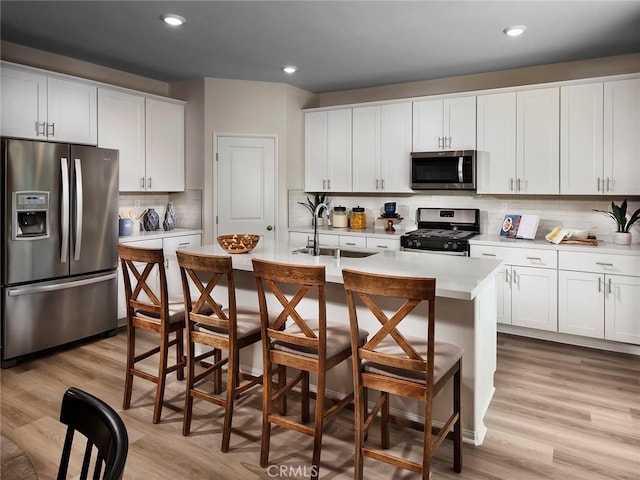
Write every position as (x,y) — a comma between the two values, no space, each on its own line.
(336,252)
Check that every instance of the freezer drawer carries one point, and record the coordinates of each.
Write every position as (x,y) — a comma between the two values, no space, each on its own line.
(43,315)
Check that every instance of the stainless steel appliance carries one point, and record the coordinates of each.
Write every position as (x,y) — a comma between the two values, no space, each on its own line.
(445,230)
(443,170)
(59,208)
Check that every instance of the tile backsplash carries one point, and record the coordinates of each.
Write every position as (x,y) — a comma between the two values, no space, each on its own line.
(571,212)
(187,205)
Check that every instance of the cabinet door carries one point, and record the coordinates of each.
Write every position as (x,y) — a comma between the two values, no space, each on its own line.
(621,320)
(300,239)
(427,126)
(72,112)
(315,151)
(534,297)
(459,123)
(581,137)
(172,269)
(366,149)
(538,141)
(383,243)
(496,134)
(164,139)
(339,159)
(622,137)
(581,303)
(121,126)
(395,148)
(24,104)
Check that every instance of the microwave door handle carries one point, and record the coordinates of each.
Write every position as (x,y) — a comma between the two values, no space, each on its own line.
(78,240)
(64,241)
(460,176)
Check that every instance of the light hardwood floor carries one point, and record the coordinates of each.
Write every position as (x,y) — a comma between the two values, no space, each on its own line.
(559,412)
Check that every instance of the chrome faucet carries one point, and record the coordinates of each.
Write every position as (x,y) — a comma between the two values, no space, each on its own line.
(316,247)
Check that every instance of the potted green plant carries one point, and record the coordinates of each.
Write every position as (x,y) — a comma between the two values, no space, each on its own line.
(311,205)
(619,214)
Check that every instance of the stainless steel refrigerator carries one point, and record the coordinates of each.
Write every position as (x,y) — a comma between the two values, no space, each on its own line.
(59,208)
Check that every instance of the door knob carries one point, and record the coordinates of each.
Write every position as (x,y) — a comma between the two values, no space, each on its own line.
(269,227)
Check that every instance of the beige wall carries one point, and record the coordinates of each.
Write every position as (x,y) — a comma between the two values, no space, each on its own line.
(12,52)
(507,78)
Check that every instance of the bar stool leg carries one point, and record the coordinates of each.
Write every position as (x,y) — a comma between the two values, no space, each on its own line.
(318,421)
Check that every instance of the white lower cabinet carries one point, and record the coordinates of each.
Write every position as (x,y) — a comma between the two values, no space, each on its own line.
(300,239)
(383,243)
(599,296)
(527,286)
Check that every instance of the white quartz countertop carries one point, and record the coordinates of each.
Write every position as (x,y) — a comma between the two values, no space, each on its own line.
(456,276)
(143,235)
(541,243)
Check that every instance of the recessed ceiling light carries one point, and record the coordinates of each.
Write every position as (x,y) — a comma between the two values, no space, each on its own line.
(515,30)
(173,20)
(289,69)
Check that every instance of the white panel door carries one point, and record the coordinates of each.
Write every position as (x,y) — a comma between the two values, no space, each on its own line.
(72,112)
(581,303)
(395,147)
(366,149)
(622,307)
(459,123)
(315,151)
(538,141)
(622,136)
(534,297)
(24,104)
(496,135)
(339,158)
(121,125)
(504,277)
(581,136)
(246,186)
(427,126)
(164,139)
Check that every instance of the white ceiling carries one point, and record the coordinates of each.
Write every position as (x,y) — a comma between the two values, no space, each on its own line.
(336,45)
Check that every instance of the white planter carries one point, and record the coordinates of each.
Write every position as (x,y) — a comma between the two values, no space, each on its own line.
(622,238)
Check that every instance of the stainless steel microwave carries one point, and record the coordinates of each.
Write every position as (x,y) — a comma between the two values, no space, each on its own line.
(443,170)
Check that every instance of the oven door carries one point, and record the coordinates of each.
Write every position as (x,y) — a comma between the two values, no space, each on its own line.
(450,170)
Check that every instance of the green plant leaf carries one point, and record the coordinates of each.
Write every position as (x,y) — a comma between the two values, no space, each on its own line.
(634,218)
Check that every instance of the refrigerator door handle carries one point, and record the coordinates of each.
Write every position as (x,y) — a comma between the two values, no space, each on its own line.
(64,243)
(30,290)
(78,240)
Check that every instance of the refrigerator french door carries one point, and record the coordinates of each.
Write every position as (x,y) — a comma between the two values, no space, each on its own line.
(59,235)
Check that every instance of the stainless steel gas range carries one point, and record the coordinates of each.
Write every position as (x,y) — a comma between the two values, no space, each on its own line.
(443,230)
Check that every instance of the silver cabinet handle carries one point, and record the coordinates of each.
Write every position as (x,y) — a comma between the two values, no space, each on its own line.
(599,284)
(598,184)
(534,258)
(41,129)
(51,129)
(518,185)
(149,183)
(141,183)
(441,142)
(184,244)
(350,243)
(511,184)
(377,184)
(450,140)
(603,264)
(488,254)
(610,287)
(507,277)
(79,205)
(515,277)
(382,183)
(328,184)
(382,246)
(324,184)
(608,189)
(64,242)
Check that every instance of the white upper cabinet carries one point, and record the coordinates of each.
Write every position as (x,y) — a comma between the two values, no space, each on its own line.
(150,136)
(164,129)
(581,139)
(382,147)
(496,143)
(328,155)
(121,126)
(41,107)
(538,141)
(622,137)
(444,124)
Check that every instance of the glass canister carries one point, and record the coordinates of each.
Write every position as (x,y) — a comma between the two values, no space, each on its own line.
(339,218)
(358,217)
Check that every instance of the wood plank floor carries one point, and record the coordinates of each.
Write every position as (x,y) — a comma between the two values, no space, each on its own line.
(559,412)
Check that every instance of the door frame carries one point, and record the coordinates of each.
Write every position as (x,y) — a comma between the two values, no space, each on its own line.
(214,180)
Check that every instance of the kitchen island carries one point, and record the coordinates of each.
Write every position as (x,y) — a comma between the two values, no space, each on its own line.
(465,315)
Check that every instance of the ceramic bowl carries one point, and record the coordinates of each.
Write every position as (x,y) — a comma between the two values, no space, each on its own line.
(238,242)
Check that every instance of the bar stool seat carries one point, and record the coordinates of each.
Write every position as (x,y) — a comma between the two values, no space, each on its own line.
(247,322)
(338,339)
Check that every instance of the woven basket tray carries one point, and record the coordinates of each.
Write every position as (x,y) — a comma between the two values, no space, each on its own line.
(239,242)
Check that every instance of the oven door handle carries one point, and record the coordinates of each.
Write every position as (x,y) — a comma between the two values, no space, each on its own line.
(460,176)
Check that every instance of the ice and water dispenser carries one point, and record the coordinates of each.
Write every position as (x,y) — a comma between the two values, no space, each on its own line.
(30,215)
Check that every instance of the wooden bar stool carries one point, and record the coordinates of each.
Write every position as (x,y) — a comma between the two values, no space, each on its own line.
(392,363)
(226,329)
(144,274)
(309,345)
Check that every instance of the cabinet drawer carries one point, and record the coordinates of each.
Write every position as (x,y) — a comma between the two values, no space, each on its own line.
(151,243)
(327,239)
(600,263)
(300,238)
(528,257)
(171,244)
(383,243)
(353,241)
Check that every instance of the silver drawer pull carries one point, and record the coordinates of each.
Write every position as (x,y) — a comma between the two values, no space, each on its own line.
(534,258)
(381,246)
(185,244)
(489,254)
(604,264)
(350,243)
